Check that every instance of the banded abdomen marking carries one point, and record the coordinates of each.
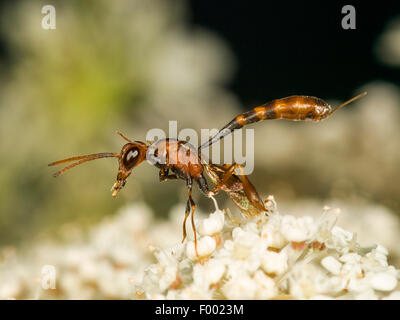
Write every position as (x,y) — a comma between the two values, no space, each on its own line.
(292,108)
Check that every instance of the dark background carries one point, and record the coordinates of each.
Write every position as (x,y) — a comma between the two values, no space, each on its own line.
(309,35)
(254,28)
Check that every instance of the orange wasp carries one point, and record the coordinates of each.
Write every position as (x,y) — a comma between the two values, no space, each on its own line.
(185,161)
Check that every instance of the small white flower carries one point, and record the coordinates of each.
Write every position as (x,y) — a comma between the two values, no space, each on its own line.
(274,263)
(167,257)
(382,250)
(213,224)
(331,264)
(270,204)
(244,242)
(341,239)
(151,278)
(378,255)
(266,287)
(251,227)
(329,284)
(241,287)
(168,277)
(228,246)
(302,281)
(350,258)
(298,229)
(205,247)
(383,281)
(357,285)
(272,234)
(209,273)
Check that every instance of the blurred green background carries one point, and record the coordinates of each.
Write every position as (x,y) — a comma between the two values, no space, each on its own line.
(134,65)
(124,65)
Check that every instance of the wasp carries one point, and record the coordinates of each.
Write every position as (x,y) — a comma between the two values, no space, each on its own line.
(177,159)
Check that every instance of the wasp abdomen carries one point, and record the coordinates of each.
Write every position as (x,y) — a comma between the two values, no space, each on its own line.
(300,108)
(291,108)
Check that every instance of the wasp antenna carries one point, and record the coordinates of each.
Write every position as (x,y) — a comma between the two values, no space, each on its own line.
(350,101)
(150,142)
(81,159)
(55,175)
(123,137)
(88,156)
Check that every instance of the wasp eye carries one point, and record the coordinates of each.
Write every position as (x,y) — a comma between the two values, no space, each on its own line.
(131,158)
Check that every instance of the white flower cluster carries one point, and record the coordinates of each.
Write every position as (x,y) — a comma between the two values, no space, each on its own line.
(274,257)
(99,264)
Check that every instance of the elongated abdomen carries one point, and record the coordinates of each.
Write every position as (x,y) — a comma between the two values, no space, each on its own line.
(292,108)
(299,108)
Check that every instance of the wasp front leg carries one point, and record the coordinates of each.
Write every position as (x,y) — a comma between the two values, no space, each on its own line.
(190,206)
(164,174)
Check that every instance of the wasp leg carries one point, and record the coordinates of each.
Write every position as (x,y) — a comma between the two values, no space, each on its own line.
(251,192)
(225,178)
(248,188)
(190,205)
(202,182)
(164,176)
(193,206)
(187,212)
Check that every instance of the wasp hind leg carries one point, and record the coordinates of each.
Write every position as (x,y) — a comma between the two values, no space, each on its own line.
(248,188)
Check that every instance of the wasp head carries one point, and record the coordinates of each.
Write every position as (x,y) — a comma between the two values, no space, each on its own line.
(132,154)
